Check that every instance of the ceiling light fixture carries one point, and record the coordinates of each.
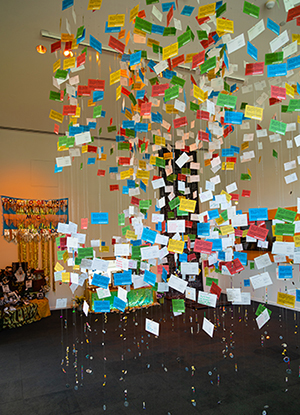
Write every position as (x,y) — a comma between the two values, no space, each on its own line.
(41,49)
(68,53)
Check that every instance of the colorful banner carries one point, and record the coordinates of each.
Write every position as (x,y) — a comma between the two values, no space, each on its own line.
(33,214)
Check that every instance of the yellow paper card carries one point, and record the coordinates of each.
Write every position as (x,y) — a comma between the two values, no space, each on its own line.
(143,175)
(84,149)
(289,90)
(151,42)
(175,246)
(78,111)
(142,164)
(58,267)
(225,26)
(160,141)
(219,221)
(187,205)
(116,20)
(286,299)
(69,63)
(245,145)
(65,277)
(56,116)
(94,4)
(134,12)
(125,174)
(189,57)
(199,94)
(230,165)
(228,197)
(130,235)
(255,113)
(297,240)
(296,37)
(226,230)
(152,160)
(114,77)
(207,10)
(56,65)
(170,51)
(118,92)
(65,256)
(65,37)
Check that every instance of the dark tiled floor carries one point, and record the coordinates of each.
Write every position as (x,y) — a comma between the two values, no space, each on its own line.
(154,374)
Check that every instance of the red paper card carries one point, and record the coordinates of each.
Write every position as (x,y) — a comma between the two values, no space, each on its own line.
(113,187)
(101,173)
(180,122)
(83,90)
(84,223)
(159,90)
(202,115)
(278,92)
(203,246)
(255,68)
(258,232)
(203,136)
(116,44)
(69,110)
(55,46)
(198,59)
(81,59)
(96,84)
(215,289)
(177,61)
(246,193)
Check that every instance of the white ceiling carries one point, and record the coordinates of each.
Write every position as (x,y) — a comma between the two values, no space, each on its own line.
(26,76)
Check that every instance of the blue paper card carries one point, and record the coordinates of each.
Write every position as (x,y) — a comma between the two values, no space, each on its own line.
(164,275)
(81,38)
(227,152)
(125,190)
(273,26)
(293,63)
(99,218)
(115,29)
(140,94)
(141,127)
(297,295)
(183,257)
(233,117)
(252,50)
(203,229)
(66,4)
(91,160)
(100,280)
(135,58)
(236,150)
(258,214)
(216,244)
(143,186)
(187,10)
(98,96)
(242,256)
(128,124)
(159,30)
(247,283)
(114,169)
(123,278)
(102,306)
(149,235)
(279,69)
(119,304)
(213,214)
(57,169)
(166,6)
(226,61)
(150,277)
(285,272)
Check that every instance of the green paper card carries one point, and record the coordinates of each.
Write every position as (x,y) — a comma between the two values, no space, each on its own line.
(171,93)
(209,65)
(169,31)
(184,38)
(55,96)
(97,111)
(202,35)
(177,81)
(252,265)
(277,127)
(251,9)
(178,306)
(227,101)
(275,154)
(245,176)
(111,128)
(121,219)
(221,10)
(143,25)
(210,280)
(285,215)
(271,58)
(294,105)
(260,309)
(285,229)
(194,107)
(174,203)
